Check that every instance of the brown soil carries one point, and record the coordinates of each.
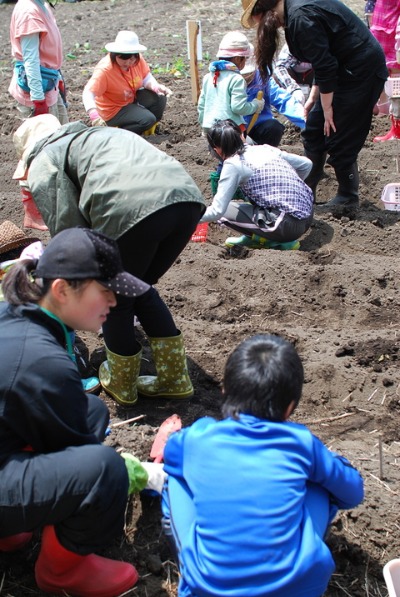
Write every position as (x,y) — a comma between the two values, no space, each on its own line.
(337,299)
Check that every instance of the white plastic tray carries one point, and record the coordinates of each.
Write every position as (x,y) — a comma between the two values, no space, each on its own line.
(391,196)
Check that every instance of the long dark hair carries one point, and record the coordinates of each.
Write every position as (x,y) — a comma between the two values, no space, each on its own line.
(20,287)
(267,35)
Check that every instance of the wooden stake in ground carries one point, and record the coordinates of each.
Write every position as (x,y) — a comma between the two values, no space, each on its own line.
(193,29)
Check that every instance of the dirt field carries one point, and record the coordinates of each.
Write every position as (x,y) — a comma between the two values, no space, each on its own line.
(337,299)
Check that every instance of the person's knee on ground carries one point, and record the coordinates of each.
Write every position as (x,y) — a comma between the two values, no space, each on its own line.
(269,132)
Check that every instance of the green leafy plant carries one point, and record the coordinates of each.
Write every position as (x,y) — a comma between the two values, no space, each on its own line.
(178,68)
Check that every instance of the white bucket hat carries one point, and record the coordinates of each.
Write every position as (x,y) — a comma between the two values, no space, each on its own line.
(234,43)
(250,65)
(126,42)
(30,132)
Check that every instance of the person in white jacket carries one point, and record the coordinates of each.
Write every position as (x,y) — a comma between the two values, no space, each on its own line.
(279,206)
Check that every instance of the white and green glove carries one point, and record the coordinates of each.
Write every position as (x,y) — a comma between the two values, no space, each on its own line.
(143,475)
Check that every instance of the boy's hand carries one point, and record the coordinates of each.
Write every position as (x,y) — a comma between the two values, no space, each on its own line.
(260,105)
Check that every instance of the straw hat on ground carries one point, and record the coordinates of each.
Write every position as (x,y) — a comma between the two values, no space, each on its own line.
(12,237)
(126,42)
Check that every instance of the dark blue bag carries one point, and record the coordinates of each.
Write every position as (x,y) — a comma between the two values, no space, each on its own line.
(50,77)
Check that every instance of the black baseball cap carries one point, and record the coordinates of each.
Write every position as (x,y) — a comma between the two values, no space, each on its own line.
(82,254)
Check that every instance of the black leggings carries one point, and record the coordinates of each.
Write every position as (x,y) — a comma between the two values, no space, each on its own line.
(148,250)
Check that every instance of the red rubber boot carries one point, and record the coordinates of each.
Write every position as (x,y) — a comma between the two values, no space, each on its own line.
(61,571)
(15,542)
(394,132)
(32,216)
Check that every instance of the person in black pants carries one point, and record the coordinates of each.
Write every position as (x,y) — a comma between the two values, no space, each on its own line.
(56,474)
(349,69)
(110,180)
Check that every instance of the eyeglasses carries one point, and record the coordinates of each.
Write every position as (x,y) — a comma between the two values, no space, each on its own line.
(128,56)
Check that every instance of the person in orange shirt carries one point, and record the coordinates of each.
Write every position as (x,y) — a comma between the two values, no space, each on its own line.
(122,92)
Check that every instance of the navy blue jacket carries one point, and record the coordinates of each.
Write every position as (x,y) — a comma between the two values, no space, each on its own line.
(42,402)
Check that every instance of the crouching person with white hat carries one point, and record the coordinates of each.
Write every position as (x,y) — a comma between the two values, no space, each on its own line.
(55,472)
(122,91)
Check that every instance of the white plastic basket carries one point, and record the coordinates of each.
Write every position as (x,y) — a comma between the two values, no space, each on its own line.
(391,574)
(392,87)
(391,196)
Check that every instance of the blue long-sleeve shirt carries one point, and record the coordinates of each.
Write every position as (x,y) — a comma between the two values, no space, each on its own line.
(240,494)
(277,98)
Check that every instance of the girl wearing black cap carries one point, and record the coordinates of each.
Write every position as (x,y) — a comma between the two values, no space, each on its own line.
(55,471)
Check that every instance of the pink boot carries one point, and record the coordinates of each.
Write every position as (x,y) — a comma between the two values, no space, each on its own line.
(15,542)
(62,572)
(394,132)
(32,216)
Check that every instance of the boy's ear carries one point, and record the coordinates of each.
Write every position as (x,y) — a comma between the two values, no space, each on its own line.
(290,408)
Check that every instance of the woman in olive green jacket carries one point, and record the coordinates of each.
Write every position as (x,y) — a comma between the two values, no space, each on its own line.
(119,184)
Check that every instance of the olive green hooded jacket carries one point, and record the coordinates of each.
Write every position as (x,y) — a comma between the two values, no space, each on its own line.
(104,178)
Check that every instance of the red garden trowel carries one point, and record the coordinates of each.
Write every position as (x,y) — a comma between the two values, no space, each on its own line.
(200,234)
(173,423)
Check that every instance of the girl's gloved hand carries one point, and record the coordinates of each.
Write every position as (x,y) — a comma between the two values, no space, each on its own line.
(138,476)
(40,107)
(156,474)
(96,119)
(161,90)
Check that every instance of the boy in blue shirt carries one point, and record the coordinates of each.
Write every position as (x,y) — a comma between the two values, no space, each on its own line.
(267,129)
(250,497)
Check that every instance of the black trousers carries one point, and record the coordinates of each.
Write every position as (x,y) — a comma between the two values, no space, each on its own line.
(269,132)
(142,114)
(81,490)
(353,102)
(148,250)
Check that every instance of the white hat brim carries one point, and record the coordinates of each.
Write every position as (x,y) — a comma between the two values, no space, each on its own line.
(117,48)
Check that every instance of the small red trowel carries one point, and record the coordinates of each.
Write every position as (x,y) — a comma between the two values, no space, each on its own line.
(200,234)
(173,423)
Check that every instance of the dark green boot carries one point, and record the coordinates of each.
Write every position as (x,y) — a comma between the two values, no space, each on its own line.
(118,376)
(172,379)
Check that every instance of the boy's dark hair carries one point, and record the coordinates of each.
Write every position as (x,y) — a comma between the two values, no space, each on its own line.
(263,375)
(226,135)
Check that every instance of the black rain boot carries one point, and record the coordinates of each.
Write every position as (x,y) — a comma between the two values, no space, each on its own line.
(317,170)
(347,193)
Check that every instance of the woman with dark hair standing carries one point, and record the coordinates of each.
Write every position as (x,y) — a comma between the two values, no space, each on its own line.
(122,91)
(350,71)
